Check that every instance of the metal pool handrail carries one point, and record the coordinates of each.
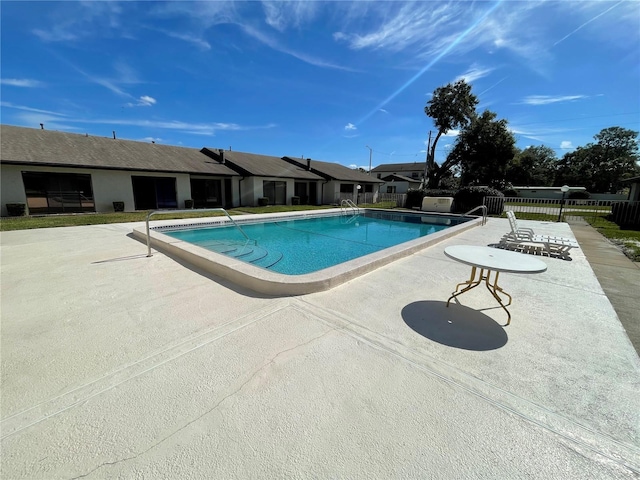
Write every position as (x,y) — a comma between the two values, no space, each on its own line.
(348,204)
(484,213)
(190,211)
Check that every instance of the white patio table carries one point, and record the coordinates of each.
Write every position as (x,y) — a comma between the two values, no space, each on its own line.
(491,260)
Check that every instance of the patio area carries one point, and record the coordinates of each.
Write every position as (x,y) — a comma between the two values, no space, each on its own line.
(119,365)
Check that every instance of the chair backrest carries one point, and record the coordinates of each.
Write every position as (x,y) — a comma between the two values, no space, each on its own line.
(512,221)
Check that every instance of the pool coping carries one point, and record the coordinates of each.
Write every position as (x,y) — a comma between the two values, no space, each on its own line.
(277,284)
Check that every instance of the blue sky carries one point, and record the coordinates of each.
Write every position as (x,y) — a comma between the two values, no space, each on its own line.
(332,81)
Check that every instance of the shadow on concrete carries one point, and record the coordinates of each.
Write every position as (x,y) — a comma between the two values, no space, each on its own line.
(533,250)
(120,259)
(457,326)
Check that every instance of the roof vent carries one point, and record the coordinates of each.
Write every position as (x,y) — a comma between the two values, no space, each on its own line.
(114,134)
(42,126)
(308,164)
(221,151)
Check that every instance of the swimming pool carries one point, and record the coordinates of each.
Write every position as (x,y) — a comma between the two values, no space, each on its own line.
(290,254)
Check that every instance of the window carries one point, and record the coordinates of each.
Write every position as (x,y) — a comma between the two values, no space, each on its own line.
(391,189)
(150,193)
(300,190)
(414,174)
(206,193)
(276,192)
(368,188)
(346,188)
(58,192)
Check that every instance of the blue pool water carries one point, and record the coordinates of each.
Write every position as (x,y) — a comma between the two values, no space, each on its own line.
(304,245)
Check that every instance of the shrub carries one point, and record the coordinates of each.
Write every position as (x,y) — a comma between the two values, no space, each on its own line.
(16,209)
(295,200)
(188,204)
(118,206)
(414,198)
(470,197)
(263,201)
(439,193)
(579,195)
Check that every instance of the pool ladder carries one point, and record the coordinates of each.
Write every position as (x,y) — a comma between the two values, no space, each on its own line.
(154,212)
(484,213)
(347,206)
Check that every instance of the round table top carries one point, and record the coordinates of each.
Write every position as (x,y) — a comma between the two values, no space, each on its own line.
(495,259)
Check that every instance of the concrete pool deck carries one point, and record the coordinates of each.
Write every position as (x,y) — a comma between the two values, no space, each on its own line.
(119,365)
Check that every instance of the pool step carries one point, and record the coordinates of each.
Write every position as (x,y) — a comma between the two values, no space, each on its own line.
(249,253)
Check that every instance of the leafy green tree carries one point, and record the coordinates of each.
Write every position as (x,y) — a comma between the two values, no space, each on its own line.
(533,166)
(601,166)
(483,150)
(451,107)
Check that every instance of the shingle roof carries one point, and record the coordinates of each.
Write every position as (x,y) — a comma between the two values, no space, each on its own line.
(47,147)
(401,178)
(399,167)
(261,165)
(335,171)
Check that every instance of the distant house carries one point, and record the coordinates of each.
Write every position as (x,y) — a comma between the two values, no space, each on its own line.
(413,170)
(634,189)
(58,172)
(339,182)
(267,176)
(398,184)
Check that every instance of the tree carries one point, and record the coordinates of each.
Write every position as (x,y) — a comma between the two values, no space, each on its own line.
(601,166)
(451,107)
(483,150)
(533,166)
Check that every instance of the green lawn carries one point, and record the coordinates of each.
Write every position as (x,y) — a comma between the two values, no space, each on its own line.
(49,221)
(628,240)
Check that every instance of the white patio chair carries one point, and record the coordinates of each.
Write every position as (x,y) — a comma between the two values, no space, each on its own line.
(525,240)
(518,232)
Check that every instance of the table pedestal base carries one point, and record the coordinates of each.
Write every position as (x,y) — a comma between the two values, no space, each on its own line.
(492,287)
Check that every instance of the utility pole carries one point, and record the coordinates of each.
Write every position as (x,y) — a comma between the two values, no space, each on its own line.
(370,152)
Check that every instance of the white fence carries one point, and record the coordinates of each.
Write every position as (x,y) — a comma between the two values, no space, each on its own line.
(399,198)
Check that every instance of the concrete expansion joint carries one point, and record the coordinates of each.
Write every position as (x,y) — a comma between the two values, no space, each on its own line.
(580,437)
(235,391)
(79,395)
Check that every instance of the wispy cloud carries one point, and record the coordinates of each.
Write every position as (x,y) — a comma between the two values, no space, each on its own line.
(21,82)
(275,45)
(189,127)
(452,133)
(194,128)
(286,14)
(124,75)
(186,37)
(143,101)
(30,109)
(425,29)
(474,73)
(350,126)
(548,99)
(566,145)
(383,110)
(78,20)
